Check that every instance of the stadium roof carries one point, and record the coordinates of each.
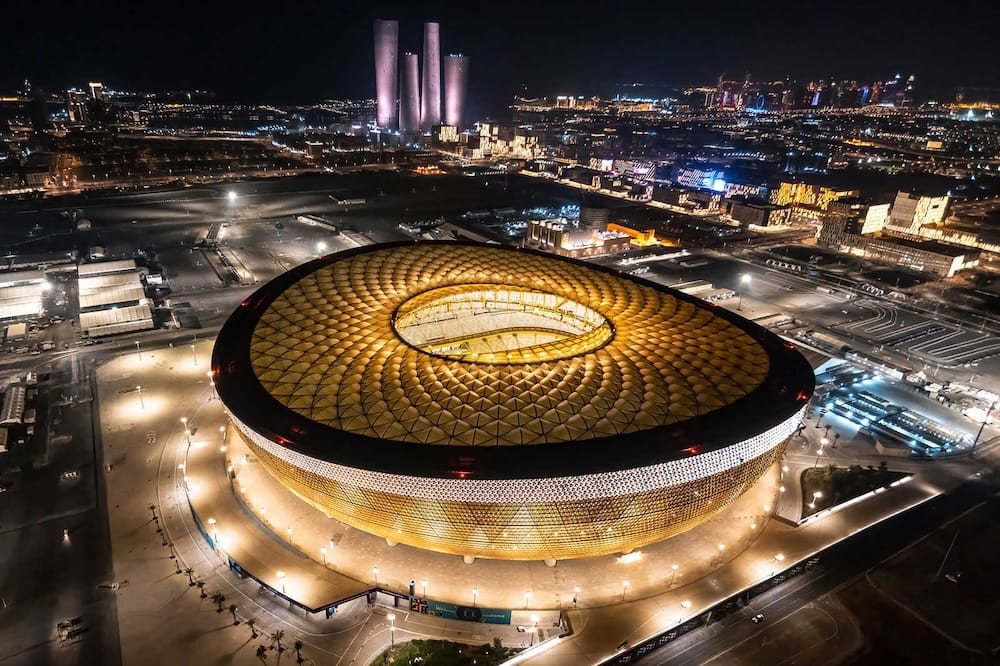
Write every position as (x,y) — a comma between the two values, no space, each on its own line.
(574,359)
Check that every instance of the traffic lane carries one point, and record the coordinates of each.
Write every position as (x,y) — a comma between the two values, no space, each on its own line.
(842,563)
(811,634)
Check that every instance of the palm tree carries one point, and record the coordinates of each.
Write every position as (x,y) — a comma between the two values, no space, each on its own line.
(276,637)
(298,655)
(252,623)
(218,598)
(201,586)
(190,574)
(232,609)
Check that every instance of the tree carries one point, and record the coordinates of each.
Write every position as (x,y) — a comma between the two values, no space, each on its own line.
(232,609)
(190,574)
(298,655)
(252,623)
(201,586)
(276,637)
(883,473)
(218,598)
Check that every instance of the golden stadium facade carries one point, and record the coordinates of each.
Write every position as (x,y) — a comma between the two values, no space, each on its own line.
(504,403)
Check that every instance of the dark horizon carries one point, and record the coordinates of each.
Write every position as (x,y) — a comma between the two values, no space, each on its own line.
(325,51)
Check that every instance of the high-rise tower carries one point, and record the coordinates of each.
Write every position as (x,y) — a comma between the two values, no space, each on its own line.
(386,79)
(456,82)
(409,93)
(430,88)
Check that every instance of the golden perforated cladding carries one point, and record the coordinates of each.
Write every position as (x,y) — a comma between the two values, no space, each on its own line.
(326,349)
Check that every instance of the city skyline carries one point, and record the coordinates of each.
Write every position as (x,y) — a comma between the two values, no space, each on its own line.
(324,53)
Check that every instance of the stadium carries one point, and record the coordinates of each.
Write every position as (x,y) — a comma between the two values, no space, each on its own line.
(503,403)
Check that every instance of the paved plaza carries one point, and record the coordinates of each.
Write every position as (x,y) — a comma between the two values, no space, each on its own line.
(320,561)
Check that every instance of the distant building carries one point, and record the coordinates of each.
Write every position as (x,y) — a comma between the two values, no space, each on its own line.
(910,212)
(844,235)
(386,73)
(456,84)
(409,93)
(872,216)
(76,106)
(430,85)
(96,91)
(558,237)
(445,133)
(756,212)
(594,217)
(810,194)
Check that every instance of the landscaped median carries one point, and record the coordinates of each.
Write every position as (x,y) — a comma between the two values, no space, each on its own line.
(827,487)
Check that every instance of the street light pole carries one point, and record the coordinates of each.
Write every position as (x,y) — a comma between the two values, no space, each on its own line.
(392,629)
(744,282)
(138,350)
(141,404)
(982,425)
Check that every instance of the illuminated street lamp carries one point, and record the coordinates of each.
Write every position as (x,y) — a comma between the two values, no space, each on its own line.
(321,247)
(392,629)
(224,433)
(423,587)
(625,586)
(187,431)
(673,571)
(232,196)
(816,495)
(194,356)
(215,532)
(527,598)
(576,593)
(138,350)
(778,559)
(375,574)
(475,595)
(322,550)
(745,280)
(534,629)
(684,606)
(281,577)
(141,404)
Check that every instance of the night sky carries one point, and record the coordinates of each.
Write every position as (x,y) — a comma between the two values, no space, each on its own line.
(301,52)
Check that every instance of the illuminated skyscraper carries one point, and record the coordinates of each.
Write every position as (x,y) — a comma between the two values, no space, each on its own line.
(76,106)
(386,86)
(456,83)
(430,88)
(409,93)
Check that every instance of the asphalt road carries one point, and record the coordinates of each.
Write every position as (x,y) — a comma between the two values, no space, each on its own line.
(735,639)
(55,545)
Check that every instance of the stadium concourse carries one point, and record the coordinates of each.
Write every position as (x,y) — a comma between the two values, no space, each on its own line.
(175,385)
(248,513)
